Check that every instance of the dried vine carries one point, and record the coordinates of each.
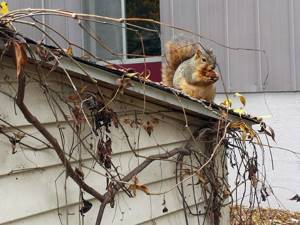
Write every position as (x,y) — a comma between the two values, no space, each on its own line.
(202,160)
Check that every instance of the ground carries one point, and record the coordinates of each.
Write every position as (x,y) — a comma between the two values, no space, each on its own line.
(263,216)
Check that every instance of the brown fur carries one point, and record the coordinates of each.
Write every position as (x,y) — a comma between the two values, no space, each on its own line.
(206,92)
(190,70)
(176,53)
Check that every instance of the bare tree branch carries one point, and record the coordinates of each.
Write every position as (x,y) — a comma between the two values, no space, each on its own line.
(60,153)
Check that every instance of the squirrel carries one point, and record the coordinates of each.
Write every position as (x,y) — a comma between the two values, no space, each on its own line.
(190,70)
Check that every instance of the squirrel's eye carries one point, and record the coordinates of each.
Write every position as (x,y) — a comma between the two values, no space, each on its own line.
(203,59)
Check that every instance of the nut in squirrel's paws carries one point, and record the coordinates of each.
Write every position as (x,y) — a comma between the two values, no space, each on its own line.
(212,75)
(208,78)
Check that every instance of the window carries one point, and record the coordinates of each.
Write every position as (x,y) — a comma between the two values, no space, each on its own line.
(127,41)
(148,9)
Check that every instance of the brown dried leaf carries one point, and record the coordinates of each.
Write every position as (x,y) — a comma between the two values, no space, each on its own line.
(136,186)
(74,98)
(155,121)
(143,188)
(226,193)
(145,75)
(127,121)
(272,133)
(132,187)
(267,130)
(201,177)
(19,135)
(104,151)
(186,172)
(131,122)
(148,126)
(20,56)
(123,83)
(44,53)
(78,114)
(252,170)
(111,66)
(254,181)
(295,197)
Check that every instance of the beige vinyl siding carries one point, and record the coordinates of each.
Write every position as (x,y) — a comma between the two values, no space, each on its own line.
(249,24)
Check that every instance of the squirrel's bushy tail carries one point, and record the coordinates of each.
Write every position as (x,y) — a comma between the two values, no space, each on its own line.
(176,52)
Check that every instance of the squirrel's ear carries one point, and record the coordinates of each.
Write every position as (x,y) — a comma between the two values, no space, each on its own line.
(210,51)
(198,54)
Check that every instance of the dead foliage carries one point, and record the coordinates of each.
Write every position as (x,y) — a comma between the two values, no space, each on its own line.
(263,216)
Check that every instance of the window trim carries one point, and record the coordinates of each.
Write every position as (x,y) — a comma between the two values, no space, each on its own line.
(125,59)
(150,59)
(124,36)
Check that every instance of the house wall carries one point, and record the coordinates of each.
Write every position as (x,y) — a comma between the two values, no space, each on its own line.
(271,25)
(63,26)
(239,24)
(236,24)
(33,188)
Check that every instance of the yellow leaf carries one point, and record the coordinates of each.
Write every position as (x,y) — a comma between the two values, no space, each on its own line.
(242,98)
(132,74)
(247,132)
(4,8)
(69,51)
(244,133)
(240,111)
(227,103)
(264,116)
(235,125)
